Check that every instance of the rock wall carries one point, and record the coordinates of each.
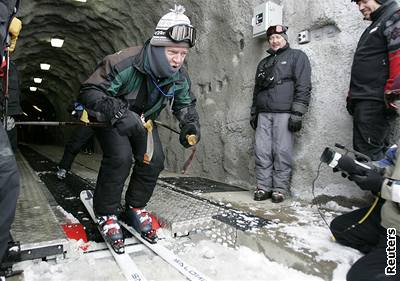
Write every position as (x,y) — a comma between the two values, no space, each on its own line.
(222,68)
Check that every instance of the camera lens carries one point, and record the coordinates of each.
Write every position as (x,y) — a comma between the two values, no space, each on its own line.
(327,155)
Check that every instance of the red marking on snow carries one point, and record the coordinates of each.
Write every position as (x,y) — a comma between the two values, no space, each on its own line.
(77,232)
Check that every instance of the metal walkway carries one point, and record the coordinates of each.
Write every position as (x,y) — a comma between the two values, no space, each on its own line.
(35,225)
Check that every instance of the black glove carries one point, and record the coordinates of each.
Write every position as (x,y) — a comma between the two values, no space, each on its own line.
(129,124)
(349,106)
(372,181)
(189,129)
(295,122)
(253,121)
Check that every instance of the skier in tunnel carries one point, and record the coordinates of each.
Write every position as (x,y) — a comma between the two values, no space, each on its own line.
(128,88)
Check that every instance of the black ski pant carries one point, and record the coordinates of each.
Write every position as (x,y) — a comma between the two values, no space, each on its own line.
(371,128)
(370,238)
(115,168)
(74,145)
(9,190)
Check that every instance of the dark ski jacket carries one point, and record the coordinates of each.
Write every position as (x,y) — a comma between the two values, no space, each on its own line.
(122,80)
(282,82)
(377,57)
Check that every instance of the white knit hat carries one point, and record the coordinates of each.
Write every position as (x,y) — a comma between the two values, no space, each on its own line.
(175,17)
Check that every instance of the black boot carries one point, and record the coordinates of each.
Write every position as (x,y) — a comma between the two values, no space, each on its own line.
(261,195)
(142,222)
(277,197)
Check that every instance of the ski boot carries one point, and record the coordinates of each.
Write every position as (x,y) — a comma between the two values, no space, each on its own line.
(141,221)
(112,232)
(61,173)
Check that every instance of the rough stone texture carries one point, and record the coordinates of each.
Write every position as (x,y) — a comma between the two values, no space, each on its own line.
(222,67)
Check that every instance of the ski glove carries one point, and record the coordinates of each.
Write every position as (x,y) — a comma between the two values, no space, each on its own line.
(253,121)
(372,181)
(189,129)
(10,124)
(77,111)
(295,122)
(129,124)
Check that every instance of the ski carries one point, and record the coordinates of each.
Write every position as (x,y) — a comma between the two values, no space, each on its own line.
(188,271)
(124,261)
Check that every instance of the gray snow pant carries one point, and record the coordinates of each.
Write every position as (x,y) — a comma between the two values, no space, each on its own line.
(9,190)
(273,152)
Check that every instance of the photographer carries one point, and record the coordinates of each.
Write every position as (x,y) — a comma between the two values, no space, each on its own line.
(374,231)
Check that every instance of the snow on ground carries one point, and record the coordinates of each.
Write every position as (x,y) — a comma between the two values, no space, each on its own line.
(215,260)
(310,232)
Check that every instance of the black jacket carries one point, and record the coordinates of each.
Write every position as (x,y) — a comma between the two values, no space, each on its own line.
(14,91)
(370,70)
(283,80)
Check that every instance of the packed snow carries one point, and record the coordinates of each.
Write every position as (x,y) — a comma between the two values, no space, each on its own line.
(216,260)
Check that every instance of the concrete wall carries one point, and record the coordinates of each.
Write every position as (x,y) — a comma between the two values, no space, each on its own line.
(222,67)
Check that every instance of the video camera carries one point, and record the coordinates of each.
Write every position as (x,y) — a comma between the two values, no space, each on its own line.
(346,164)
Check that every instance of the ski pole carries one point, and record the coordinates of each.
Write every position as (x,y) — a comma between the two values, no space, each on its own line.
(166,126)
(192,139)
(57,123)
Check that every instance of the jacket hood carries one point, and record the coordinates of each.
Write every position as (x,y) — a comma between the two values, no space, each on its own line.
(139,59)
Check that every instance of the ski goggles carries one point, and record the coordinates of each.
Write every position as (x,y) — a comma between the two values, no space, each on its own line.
(181,33)
(276,29)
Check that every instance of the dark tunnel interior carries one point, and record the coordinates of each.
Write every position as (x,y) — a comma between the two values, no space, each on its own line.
(90,30)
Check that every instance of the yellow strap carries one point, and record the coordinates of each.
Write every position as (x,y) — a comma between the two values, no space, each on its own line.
(370,210)
(85,117)
(14,30)
(364,217)
(15,26)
